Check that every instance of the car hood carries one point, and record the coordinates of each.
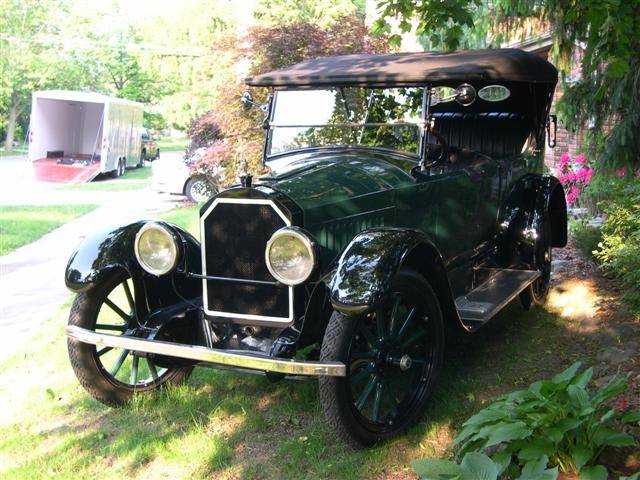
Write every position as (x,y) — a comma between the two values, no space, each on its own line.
(348,182)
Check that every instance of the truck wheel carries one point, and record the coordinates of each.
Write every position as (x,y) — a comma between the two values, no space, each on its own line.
(141,162)
(199,190)
(113,375)
(536,293)
(392,355)
(157,154)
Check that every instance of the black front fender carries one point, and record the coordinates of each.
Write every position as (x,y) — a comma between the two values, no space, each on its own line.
(369,263)
(112,249)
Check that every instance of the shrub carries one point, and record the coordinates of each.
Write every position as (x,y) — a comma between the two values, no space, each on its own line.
(619,251)
(556,424)
(202,132)
(212,162)
(586,238)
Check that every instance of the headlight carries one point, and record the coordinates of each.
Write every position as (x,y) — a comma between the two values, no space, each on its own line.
(156,249)
(290,256)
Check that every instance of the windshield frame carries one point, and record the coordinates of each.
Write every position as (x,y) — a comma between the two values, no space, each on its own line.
(421,125)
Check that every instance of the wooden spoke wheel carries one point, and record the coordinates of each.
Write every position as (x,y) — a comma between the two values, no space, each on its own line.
(113,375)
(393,355)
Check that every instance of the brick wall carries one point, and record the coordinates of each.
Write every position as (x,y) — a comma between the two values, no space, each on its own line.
(566,142)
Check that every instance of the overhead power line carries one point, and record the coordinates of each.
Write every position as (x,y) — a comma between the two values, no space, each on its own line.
(86,43)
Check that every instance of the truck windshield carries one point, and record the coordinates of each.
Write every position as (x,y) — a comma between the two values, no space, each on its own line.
(381,118)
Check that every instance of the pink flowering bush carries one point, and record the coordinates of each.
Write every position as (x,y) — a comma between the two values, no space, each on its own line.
(574,175)
(211,162)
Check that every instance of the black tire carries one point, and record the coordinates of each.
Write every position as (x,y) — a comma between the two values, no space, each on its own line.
(157,154)
(345,339)
(118,171)
(536,293)
(140,164)
(89,362)
(199,189)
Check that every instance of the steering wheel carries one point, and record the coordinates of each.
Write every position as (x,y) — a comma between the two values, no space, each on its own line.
(444,149)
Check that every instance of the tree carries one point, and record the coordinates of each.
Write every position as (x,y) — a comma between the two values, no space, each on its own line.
(269,48)
(318,12)
(28,59)
(605,100)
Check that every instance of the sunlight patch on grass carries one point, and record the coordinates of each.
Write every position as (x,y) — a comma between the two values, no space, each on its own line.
(574,299)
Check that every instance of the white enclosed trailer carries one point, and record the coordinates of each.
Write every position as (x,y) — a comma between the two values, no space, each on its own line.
(74,136)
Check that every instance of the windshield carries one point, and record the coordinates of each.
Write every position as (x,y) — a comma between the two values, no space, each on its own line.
(383,118)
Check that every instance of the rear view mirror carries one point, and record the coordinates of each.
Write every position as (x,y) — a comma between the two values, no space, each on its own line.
(247,100)
(248,103)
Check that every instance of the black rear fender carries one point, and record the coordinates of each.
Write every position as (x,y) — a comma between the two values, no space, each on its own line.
(531,201)
(111,250)
(367,266)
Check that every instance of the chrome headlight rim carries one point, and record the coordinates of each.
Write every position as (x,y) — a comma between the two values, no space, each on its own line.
(173,246)
(309,244)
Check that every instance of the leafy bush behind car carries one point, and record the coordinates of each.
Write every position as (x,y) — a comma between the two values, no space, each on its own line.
(554,425)
(619,250)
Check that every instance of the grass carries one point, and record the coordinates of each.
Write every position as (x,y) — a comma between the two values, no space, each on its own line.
(185,217)
(17,150)
(133,179)
(20,225)
(227,425)
(173,144)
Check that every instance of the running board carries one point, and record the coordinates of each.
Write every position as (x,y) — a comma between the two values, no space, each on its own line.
(488,298)
(209,355)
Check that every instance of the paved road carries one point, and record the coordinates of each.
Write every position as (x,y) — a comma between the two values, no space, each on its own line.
(31,277)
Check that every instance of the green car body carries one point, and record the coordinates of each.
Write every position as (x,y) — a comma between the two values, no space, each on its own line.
(448,226)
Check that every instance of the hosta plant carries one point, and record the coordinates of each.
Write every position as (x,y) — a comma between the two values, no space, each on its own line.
(554,425)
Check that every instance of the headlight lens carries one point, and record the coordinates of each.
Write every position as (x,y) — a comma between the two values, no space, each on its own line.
(290,256)
(156,249)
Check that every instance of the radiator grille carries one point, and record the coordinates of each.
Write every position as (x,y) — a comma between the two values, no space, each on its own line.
(234,238)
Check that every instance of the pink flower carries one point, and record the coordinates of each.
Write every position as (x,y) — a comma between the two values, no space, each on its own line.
(588,175)
(573,194)
(580,159)
(621,172)
(638,173)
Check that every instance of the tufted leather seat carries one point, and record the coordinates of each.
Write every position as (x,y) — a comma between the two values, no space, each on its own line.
(497,134)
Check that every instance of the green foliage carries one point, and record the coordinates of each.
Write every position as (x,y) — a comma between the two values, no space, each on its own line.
(270,48)
(619,250)
(319,12)
(28,59)
(602,37)
(556,424)
(585,237)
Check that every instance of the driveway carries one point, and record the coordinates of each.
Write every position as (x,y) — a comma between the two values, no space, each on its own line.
(31,277)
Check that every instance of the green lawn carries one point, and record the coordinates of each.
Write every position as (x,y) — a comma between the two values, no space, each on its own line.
(173,144)
(227,425)
(186,217)
(20,225)
(133,179)
(17,150)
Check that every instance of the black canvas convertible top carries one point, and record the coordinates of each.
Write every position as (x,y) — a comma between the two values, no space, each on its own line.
(412,69)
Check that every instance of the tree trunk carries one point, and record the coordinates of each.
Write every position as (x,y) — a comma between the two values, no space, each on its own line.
(11,126)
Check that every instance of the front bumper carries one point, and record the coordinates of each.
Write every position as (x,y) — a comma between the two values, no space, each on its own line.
(209,355)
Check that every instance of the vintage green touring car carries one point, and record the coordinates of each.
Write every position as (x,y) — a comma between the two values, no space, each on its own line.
(405,200)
